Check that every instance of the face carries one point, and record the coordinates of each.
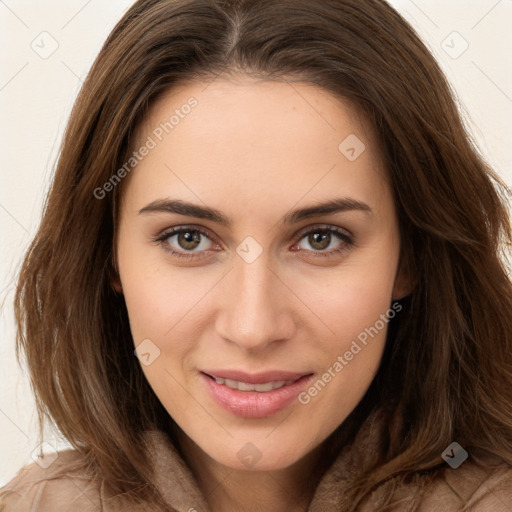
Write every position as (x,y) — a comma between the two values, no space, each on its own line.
(231,269)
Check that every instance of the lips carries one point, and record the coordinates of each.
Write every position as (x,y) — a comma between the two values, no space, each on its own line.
(254,395)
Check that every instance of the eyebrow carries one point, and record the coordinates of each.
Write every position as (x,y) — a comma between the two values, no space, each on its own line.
(180,207)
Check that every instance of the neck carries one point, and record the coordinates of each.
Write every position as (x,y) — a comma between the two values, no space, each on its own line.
(232,490)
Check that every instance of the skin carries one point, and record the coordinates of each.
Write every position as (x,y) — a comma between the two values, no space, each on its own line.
(255,150)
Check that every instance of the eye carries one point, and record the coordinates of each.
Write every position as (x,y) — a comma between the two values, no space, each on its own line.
(189,241)
(322,237)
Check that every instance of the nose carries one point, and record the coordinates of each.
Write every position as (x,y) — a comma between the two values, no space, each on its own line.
(257,307)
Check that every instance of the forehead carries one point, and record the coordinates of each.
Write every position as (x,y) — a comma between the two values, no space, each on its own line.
(255,142)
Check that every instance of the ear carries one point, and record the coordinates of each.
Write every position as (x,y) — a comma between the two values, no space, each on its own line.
(116,284)
(404,281)
(115,280)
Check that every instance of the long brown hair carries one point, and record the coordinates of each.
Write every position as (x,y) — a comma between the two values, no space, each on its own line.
(451,345)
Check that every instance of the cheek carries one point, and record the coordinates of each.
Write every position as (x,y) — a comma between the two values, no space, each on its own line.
(159,296)
(356,307)
(353,297)
(160,308)
(351,357)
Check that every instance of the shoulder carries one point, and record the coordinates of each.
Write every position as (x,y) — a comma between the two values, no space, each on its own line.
(474,486)
(53,483)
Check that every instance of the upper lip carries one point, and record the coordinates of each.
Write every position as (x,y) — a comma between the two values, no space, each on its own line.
(255,378)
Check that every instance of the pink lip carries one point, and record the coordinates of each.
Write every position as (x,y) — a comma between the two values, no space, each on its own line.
(254,404)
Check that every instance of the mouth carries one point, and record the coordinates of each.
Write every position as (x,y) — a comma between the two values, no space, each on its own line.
(257,395)
(246,386)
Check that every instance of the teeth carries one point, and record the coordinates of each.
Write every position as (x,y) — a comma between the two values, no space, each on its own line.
(244,386)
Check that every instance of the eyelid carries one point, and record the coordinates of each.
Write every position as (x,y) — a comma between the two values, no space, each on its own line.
(206,232)
(167,233)
(326,227)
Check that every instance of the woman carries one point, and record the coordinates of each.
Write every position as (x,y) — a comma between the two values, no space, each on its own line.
(270,274)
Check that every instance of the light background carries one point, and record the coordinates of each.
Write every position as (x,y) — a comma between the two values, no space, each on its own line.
(36,96)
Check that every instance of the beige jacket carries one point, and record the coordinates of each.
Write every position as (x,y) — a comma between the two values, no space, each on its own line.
(469,488)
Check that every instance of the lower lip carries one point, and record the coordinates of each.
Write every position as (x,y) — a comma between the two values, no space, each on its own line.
(253,404)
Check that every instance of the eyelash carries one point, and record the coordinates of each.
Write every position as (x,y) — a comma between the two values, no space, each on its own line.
(348,241)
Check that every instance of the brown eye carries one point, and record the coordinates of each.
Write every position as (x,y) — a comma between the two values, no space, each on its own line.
(188,242)
(321,238)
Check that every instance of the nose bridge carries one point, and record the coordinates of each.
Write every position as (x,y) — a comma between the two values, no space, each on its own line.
(255,314)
